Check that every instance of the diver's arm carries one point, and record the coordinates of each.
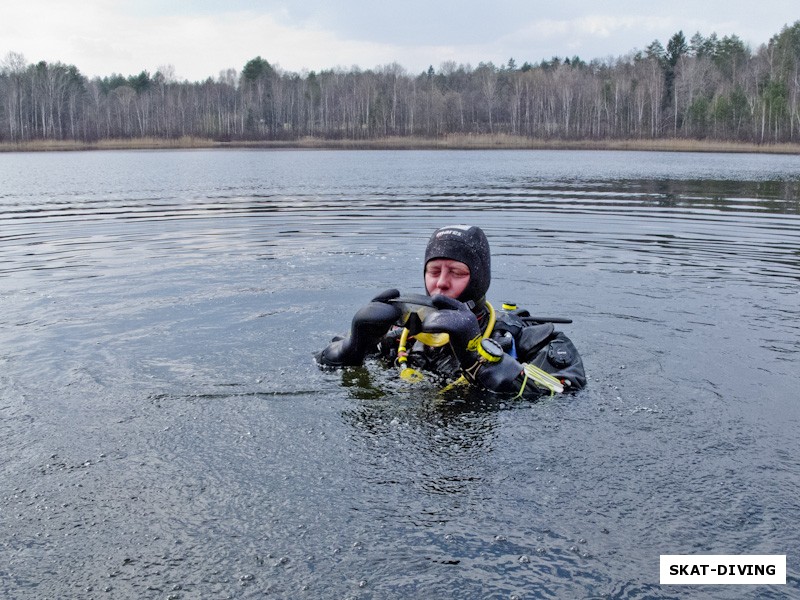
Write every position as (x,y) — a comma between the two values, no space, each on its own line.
(369,325)
(505,376)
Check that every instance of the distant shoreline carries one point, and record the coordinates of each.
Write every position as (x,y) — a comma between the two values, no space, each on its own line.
(451,142)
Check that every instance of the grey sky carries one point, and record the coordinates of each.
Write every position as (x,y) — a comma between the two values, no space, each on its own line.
(199,38)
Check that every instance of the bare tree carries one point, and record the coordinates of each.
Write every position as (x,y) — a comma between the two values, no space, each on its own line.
(708,87)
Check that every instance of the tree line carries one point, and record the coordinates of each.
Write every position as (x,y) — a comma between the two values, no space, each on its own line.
(705,87)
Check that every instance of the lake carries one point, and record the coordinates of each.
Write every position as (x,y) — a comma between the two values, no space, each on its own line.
(165,432)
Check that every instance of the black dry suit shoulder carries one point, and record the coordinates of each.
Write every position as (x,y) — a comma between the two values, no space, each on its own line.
(533,338)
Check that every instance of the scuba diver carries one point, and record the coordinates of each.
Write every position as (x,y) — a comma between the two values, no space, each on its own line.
(454,334)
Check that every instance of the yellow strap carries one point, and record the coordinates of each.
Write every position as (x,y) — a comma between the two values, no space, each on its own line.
(522,387)
(435,340)
(543,379)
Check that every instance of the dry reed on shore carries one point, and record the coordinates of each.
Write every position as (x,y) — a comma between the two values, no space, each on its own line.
(449,142)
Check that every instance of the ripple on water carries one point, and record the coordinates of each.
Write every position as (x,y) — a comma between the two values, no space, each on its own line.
(166,431)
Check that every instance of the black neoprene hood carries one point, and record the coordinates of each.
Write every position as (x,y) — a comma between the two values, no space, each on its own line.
(466,244)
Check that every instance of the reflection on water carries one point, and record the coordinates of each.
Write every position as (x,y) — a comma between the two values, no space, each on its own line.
(167,433)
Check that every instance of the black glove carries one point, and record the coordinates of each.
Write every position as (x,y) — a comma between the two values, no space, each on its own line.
(369,325)
(456,319)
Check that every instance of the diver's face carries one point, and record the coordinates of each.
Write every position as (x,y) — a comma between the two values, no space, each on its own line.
(446,277)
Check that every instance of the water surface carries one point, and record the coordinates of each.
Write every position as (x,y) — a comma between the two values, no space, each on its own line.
(165,432)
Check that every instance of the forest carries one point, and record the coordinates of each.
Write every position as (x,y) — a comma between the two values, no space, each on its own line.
(700,88)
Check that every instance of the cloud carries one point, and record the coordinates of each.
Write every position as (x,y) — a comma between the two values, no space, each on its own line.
(587,28)
(102,37)
(605,26)
(101,40)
